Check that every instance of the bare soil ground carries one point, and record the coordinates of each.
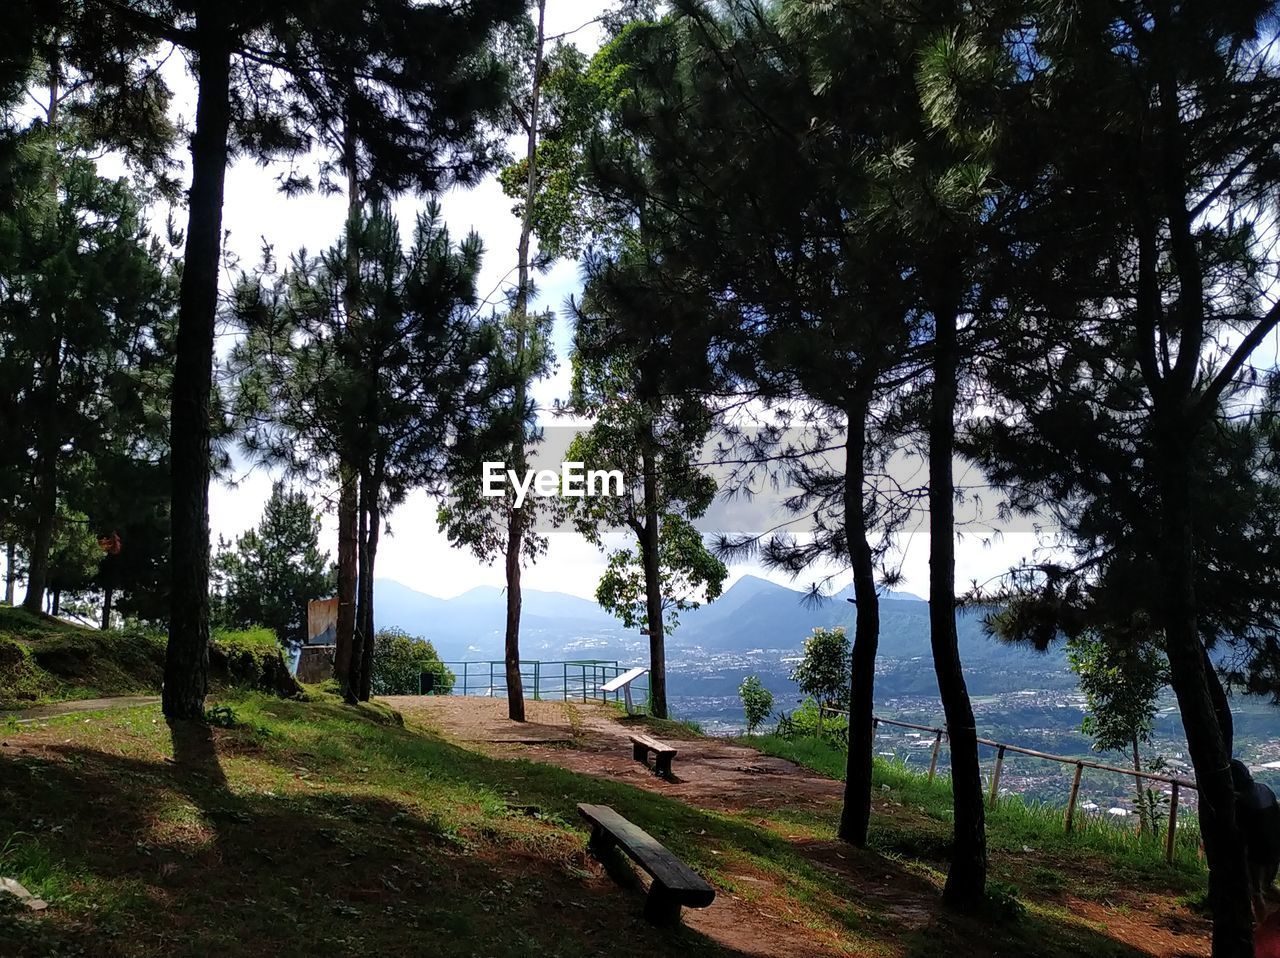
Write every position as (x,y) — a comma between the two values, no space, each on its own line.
(477,719)
(723,776)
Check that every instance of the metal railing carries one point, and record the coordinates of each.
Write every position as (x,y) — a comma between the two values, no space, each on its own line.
(569,680)
(1080,764)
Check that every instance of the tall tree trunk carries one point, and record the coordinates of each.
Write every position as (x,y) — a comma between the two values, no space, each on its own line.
(55,602)
(186,670)
(1143,827)
(511,648)
(650,552)
(1190,674)
(10,571)
(348,550)
(355,679)
(108,596)
(855,817)
(49,437)
(369,556)
(46,509)
(520,310)
(348,473)
(967,876)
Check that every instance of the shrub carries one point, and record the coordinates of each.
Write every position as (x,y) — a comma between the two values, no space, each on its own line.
(807,721)
(400,658)
(757,701)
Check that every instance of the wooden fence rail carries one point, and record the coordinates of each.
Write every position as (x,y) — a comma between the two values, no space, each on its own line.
(1080,765)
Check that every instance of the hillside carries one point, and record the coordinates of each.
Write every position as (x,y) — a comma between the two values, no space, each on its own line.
(46,660)
(43,659)
(301,828)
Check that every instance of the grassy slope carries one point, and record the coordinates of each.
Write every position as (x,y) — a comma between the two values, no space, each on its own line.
(43,659)
(310,827)
(1015,830)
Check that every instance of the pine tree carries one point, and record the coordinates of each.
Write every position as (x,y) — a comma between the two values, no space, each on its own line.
(87,299)
(1141,415)
(270,573)
(391,392)
(283,79)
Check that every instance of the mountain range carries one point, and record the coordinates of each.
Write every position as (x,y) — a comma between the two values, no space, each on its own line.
(759,627)
(756,623)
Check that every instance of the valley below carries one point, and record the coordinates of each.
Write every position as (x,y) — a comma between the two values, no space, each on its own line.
(1020,696)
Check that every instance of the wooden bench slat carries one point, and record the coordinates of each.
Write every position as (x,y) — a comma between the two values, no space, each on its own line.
(652,744)
(674,876)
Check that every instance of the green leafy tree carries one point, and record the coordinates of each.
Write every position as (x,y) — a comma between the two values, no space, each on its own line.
(74,558)
(829,292)
(399,659)
(688,576)
(492,526)
(1141,423)
(757,702)
(270,573)
(651,433)
(1121,681)
(86,300)
(823,671)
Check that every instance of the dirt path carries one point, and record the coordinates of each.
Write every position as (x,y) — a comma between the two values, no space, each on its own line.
(476,719)
(721,776)
(709,772)
(38,713)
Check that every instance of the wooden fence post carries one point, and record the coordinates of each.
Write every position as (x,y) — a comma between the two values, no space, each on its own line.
(1172,832)
(933,762)
(995,778)
(1075,790)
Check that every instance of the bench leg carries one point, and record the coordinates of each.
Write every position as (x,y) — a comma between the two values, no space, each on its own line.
(661,907)
(640,754)
(663,766)
(600,843)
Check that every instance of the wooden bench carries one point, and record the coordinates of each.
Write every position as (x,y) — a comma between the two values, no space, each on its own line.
(642,745)
(674,885)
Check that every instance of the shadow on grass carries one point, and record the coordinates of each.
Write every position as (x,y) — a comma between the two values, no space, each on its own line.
(143,857)
(161,858)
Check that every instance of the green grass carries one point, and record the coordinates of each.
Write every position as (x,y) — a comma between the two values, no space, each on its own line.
(43,659)
(308,827)
(259,639)
(1016,829)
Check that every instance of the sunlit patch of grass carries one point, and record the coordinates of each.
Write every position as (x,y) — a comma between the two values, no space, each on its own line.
(1013,825)
(310,827)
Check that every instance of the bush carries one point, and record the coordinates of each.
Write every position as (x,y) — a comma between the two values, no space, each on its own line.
(803,722)
(400,658)
(757,701)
